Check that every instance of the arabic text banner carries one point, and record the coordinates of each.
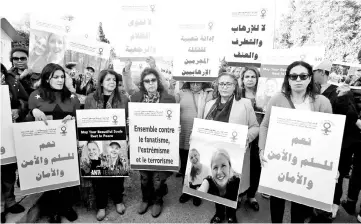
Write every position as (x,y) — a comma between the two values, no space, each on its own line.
(154,136)
(85,52)
(47,155)
(102,142)
(141,29)
(302,152)
(250,30)
(215,161)
(7,141)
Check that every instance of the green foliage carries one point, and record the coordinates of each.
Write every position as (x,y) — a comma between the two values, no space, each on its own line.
(101,35)
(24,42)
(332,23)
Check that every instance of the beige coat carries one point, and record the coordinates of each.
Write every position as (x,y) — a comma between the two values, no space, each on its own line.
(242,113)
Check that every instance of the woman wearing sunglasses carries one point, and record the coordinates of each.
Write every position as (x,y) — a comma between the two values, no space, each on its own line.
(298,92)
(152,182)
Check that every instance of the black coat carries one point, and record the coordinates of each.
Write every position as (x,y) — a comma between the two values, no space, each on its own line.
(344,105)
(19,96)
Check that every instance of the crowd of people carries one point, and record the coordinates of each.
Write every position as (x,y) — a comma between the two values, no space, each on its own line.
(57,92)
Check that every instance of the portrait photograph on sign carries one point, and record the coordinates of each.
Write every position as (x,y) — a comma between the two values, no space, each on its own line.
(45,47)
(212,167)
(104,158)
(215,163)
(266,89)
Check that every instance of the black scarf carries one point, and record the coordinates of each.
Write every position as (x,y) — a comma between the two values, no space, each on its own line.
(219,111)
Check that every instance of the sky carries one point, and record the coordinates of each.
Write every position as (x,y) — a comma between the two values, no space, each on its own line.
(90,13)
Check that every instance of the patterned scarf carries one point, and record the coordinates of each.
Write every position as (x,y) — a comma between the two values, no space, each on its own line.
(151,98)
(225,110)
(108,105)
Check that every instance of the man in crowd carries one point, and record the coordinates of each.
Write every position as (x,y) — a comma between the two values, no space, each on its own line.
(19,60)
(342,102)
(354,186)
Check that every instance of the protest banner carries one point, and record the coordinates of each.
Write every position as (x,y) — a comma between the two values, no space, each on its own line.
(250,30)
(215,145)
(102,142)
(47,42)
(196,40)
(273,69)
(154,136)
(7,141)
(141,29)
(302,152)
(47,155)
(85,52)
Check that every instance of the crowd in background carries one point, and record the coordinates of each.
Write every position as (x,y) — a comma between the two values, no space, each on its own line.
(230,98)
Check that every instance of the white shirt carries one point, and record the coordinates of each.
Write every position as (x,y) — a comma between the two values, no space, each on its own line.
(199,178)
(303,106)
(324,87)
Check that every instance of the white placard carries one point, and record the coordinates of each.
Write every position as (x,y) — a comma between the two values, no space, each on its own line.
(154,136)
(302,152)
(47,155)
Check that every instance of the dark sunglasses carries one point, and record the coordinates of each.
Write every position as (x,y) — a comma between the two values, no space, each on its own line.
(149,80)
(21,58)
(294,77)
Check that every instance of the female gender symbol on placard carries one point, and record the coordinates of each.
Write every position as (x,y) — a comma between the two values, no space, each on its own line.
(169,114)
(100,51)
(67,29)
(327,126)
(152,8)
(234,136)
(63,130)
(210,25)
(86,35)
(115,119)
(263,13)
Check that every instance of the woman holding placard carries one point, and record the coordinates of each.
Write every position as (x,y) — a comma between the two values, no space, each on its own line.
(192,99)
(298,92)
(152,182)
(8,171)
(54,101)
(228,106)
(107,96)
(249,80)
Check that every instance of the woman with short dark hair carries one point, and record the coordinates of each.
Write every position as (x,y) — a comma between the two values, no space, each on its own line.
(153,184)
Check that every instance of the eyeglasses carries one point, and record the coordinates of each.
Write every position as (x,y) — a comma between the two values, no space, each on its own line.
(149,80)
(21,58)
(227,84)
(294,77)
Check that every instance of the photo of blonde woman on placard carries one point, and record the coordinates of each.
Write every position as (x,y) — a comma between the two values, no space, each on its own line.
(214,171)
(104,158)
(45,48)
